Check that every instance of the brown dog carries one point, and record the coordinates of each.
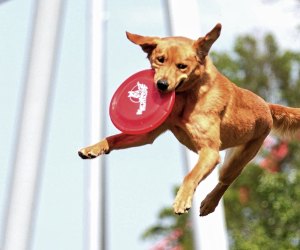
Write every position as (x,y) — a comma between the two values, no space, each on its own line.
(210,114)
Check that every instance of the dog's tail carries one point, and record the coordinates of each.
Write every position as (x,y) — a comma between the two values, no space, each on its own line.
(286,120)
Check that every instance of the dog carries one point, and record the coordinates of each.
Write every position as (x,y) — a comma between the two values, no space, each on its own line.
(210,114)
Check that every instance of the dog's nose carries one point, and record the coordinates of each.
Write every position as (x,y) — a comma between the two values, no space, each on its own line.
(162,85)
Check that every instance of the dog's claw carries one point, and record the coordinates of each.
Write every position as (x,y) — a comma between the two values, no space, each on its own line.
(94,151)
(87,155)
(82,155)
(186,210)
(181,210)
(183,201)
(92,156)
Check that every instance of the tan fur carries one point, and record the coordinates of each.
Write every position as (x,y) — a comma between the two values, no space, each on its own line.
(210,114)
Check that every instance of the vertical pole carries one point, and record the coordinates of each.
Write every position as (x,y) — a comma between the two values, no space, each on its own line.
(210,231)
(95,193)
(30,145)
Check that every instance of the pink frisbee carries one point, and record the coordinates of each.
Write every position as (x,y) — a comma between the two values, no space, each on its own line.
(137,106)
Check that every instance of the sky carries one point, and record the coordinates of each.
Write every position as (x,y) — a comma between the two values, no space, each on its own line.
(139,181)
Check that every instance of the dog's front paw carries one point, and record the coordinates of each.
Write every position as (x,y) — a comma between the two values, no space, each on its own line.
(183,200)
(94,150)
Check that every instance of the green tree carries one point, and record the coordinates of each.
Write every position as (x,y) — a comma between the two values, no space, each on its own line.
(268,218)
(266,209)
(263,68)
(263,209)
(171,232)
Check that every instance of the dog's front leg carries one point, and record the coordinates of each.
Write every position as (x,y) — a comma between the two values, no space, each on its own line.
(119,141)
(208,159)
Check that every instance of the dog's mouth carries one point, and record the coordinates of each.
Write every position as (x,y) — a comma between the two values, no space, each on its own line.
(179,84)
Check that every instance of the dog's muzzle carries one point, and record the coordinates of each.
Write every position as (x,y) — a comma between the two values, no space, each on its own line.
(162,85)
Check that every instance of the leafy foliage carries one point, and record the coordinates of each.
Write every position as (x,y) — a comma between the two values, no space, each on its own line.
(173,232)
(263,69)
(263,208)
(268,218)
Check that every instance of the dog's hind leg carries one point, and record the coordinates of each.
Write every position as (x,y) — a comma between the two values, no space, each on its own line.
(235,160)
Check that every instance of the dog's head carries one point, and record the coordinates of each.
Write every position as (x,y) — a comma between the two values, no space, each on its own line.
(176,60)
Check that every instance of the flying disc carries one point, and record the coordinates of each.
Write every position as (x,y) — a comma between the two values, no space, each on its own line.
(138,106)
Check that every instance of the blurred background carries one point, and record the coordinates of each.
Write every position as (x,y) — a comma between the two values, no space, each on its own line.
(259,49)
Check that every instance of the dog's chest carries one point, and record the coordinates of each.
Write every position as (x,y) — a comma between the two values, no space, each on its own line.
(182,137)
(181,120)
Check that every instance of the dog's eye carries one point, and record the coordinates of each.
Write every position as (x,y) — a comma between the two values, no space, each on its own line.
(181,66)
(161,59)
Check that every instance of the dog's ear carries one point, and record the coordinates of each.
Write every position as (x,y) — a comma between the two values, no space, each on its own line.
(203,44)
(147,43)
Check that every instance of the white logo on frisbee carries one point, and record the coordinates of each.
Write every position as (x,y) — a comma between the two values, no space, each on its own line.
(138,94)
